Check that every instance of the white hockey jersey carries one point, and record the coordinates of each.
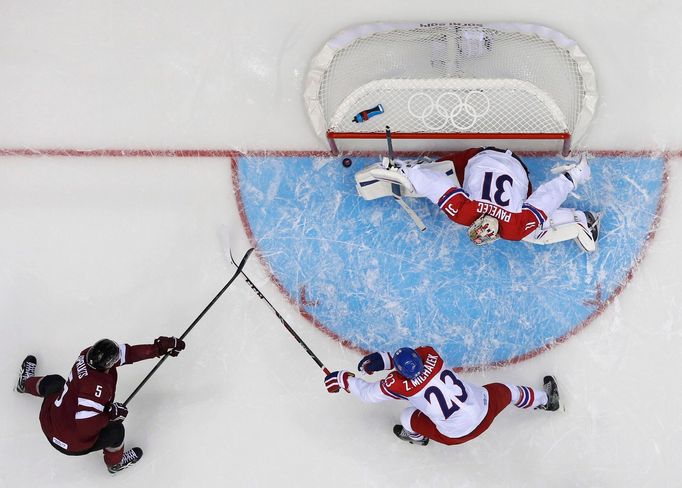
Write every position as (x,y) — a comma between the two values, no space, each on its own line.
(496,177)
(454,406)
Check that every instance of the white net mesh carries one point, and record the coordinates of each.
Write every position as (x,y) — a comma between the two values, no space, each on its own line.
(451,105)
(452,78)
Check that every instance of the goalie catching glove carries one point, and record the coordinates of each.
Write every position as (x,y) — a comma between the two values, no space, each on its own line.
(169,345)
(337,380)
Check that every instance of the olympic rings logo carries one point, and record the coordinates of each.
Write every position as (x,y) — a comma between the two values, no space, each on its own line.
(461,112)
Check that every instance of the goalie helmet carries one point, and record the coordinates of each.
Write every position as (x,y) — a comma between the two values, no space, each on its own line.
(408,363)
(103,355)
(485,230)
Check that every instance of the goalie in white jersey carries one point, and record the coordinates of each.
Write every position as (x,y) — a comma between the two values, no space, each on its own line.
(488,190)
(443,407)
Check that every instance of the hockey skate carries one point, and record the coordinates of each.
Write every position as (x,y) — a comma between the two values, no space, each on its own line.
(130,457)
(593,224)
(410,437)
(552,390)
(28,370)
(587,238)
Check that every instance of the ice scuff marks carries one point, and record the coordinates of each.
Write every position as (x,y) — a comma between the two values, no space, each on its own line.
(372,279)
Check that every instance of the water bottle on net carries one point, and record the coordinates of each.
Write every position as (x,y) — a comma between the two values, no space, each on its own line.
(368,114)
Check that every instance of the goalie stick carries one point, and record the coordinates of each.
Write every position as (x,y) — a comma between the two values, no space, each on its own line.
(282,320)
(389,143)
(396,189)
(240,267)
(415,218)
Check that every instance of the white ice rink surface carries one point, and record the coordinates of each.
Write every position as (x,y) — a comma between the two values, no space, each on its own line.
(130,248)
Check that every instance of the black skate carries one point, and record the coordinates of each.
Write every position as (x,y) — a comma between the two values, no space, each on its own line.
(588,235)
(28,370)
(406,436)
(552,391)
(130,457)
(593,224)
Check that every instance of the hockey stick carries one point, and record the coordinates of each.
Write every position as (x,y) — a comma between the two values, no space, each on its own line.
(284,322)
(415,218)
(240,267)
(396,191)
(389,142)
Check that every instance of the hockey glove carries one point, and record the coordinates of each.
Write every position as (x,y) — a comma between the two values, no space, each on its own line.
(377,361)
(170,345)
(117,412)
(337,380)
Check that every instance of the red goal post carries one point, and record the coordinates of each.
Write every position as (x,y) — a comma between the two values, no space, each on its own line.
(451,81)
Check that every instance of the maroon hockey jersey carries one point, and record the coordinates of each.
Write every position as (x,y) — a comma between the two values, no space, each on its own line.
(73,418)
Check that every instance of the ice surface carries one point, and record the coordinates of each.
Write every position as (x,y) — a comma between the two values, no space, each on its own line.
(130,248)
(368,275)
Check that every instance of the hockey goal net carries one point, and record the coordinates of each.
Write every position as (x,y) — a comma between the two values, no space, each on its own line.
(451,81)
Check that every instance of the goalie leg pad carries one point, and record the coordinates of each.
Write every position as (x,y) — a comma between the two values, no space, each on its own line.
(566,224)
(376,180)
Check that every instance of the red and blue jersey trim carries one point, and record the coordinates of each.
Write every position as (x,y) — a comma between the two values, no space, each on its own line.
(449,194)
(537,213)
(389,393)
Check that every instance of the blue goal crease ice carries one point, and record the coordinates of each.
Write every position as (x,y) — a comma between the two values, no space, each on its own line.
(367,275)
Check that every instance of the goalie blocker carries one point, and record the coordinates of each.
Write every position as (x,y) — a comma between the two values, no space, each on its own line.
(436,179)
(385,179)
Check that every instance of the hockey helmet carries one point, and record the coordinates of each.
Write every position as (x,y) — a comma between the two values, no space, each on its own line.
(408,363)
(103,355)
(485,230)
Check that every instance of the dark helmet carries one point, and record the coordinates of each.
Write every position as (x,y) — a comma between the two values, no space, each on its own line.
(408,363)
(103,355)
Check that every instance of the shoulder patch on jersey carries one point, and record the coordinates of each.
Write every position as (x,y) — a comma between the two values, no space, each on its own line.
(450,193)
(388,383)
(122,348)
(537,213)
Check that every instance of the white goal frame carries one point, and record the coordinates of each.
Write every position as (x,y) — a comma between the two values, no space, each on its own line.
(563,96)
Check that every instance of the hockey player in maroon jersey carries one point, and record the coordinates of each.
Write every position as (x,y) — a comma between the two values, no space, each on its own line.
(444,407)
(79,414)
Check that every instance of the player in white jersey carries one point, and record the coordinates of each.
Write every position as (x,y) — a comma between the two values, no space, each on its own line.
(443,407)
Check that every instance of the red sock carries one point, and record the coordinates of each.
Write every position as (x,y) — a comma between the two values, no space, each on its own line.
(31,385)
(113,457)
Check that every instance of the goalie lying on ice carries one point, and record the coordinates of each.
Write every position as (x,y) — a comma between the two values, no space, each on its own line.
(496,198)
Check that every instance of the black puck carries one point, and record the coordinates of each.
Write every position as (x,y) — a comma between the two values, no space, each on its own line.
(346,162)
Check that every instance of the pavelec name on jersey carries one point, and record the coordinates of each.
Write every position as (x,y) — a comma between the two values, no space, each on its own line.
(494,211)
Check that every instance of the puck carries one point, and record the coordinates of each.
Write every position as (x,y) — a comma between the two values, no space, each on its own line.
(346,162)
